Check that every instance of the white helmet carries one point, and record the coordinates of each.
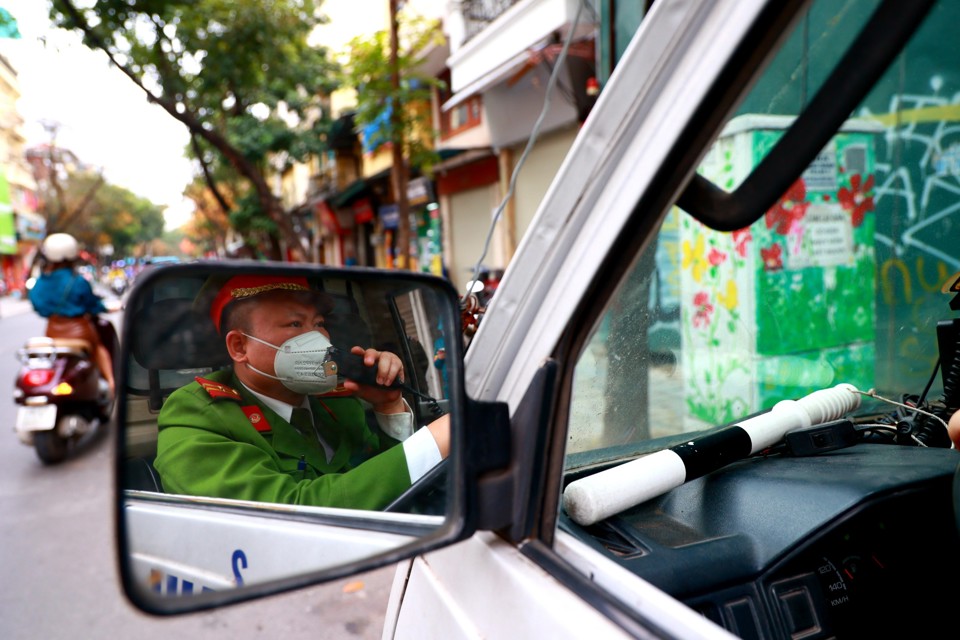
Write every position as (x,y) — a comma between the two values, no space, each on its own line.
(59,247)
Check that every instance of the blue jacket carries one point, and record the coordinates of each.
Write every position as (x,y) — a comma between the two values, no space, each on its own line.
(64,293)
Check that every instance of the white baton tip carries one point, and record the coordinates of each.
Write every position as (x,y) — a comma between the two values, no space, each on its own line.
(591,499)
(608,492)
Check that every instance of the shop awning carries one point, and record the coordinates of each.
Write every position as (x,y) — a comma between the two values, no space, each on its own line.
(352,191)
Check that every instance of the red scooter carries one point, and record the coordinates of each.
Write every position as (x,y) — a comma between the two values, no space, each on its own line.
(61,393)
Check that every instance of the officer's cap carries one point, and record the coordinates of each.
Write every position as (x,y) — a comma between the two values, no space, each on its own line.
(248,286)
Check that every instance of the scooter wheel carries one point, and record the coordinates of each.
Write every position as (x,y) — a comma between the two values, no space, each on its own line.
(51,448)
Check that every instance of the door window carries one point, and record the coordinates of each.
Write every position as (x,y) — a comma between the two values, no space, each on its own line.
(841,280)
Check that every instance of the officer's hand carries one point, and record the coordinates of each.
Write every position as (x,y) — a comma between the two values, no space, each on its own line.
(388,368)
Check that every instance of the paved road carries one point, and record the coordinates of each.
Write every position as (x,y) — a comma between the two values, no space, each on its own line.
(58,558)
(10,306)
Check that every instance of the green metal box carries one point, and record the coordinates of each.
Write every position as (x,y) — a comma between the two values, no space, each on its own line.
(746,344)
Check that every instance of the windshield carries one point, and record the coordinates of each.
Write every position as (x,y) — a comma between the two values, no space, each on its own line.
(844,280)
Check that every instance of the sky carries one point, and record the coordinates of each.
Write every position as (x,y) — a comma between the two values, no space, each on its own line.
(103,117)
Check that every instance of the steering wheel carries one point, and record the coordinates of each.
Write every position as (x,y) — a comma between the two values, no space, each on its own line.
(426,496)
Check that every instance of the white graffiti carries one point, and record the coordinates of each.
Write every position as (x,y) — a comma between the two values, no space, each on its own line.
(937,172)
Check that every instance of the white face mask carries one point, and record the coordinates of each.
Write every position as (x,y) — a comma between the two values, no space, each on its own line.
(302,363)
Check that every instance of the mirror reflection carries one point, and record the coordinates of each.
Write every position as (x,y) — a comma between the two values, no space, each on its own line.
(277,422)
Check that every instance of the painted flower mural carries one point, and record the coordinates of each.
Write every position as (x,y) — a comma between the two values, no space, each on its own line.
(856,198)
(704,309)
(789,210)
(716,257)
(729,297)
(694,259)
(772,257)
(741,241)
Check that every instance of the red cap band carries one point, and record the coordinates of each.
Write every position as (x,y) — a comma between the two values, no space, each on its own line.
(242,287)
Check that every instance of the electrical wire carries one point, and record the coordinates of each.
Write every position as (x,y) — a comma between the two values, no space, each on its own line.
(533,137)
(926,389)
(874,394)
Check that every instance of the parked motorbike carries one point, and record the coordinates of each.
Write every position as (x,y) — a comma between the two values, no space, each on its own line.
(118,285)
(61,392)
(473,304)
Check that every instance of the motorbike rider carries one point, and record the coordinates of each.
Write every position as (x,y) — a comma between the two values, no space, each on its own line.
(67,300)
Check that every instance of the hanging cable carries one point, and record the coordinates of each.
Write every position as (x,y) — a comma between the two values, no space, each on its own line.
(530,142)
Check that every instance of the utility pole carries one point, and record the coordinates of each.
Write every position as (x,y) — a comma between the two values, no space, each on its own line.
(398,172)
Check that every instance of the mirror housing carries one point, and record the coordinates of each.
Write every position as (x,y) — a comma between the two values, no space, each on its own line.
(182,552)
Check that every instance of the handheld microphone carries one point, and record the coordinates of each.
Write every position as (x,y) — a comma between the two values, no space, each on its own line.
(350,365)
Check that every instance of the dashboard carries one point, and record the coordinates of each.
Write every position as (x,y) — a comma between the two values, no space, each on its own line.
(852,543)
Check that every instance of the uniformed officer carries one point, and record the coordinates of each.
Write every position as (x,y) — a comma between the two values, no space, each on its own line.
(239,433)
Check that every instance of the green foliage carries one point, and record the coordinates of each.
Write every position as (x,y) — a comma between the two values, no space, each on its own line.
(243,73)
(217,59)
(367,71)
(114,216)
(8,25)
(247,218)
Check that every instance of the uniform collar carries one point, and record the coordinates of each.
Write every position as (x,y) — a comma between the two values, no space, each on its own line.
(282,409)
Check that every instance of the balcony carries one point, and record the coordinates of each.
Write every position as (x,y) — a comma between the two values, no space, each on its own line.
(478,14)
(498,76)
(504,32)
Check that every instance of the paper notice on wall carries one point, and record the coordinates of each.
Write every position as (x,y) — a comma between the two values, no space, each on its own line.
(821,175)
(826,239)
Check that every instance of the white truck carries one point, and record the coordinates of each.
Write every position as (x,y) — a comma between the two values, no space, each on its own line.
(781,468)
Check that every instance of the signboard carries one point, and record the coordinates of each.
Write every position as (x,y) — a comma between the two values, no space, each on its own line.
(419,192)
(8,225)
(390,216)
(362,211)
(328,217)
(31,226)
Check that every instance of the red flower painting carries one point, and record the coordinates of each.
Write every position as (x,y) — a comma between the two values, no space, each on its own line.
(856,199)
(701,318)
(772,257)
(789,209)
(741,238)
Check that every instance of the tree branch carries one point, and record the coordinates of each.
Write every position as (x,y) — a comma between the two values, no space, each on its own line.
(208,177)
(69,217)
(269,203)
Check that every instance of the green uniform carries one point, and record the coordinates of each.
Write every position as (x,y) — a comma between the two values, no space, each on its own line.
(216,439)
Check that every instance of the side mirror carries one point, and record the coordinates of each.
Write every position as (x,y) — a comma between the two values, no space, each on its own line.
(220,498)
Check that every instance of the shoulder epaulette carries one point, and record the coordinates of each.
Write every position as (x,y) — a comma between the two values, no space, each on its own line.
(217,390)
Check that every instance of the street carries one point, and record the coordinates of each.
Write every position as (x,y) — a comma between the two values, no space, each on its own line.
(57,549)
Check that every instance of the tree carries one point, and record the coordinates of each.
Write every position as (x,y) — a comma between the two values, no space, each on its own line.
(117,217)
(210,225)
(88,207)
(391,105)
(52,167)
(241,75)
(75,198)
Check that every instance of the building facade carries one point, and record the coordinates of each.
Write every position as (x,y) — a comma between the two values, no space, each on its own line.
(501,127)
(21,228)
